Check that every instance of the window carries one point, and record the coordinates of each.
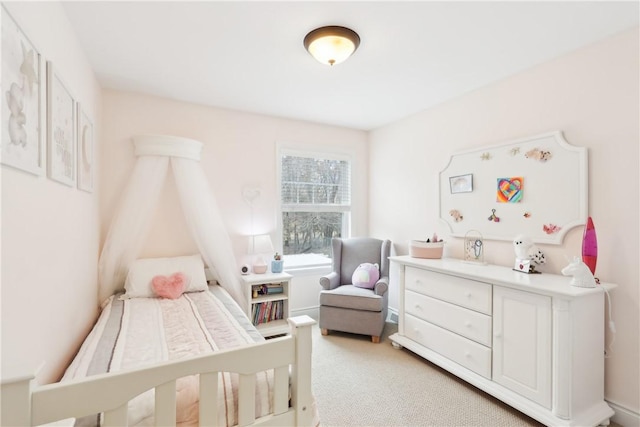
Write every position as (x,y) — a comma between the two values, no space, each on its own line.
(315,196)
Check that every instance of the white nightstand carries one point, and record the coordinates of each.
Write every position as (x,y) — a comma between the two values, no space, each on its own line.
(268,302)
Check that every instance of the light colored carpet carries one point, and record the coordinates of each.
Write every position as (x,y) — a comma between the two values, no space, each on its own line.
(358,383)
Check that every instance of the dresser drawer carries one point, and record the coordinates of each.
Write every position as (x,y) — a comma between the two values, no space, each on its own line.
(468,323)
(467,353)
(463,292)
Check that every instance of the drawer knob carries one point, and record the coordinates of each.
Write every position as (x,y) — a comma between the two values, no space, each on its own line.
(497,335)
(418,307)
(467,354)
(468,294)
(467,324)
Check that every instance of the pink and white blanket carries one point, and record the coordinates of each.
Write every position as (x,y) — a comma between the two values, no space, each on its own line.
(138,332)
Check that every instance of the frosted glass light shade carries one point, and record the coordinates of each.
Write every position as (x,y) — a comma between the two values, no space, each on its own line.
(261,244)
(331,45)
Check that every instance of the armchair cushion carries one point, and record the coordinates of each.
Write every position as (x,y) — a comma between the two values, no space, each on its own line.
(352,298)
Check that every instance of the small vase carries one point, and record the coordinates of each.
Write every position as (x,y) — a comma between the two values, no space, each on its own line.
(276,266)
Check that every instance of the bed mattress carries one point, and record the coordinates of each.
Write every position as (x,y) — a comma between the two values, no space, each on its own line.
(133,333)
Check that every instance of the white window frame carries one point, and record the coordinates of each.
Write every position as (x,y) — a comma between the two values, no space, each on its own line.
(296,261)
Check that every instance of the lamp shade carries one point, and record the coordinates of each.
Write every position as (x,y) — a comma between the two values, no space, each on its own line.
(261,244)
(332,44)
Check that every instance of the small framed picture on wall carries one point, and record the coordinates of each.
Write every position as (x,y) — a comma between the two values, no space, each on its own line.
(461,184)
(85,151)
(61,130)
(24,100)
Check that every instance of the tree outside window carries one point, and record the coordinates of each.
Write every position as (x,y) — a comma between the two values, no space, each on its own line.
(316,203)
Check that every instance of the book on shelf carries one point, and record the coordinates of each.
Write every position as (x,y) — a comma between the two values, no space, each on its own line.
(264,312)
(267,289)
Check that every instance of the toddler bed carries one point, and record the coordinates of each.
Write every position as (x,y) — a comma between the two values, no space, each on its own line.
(195,359)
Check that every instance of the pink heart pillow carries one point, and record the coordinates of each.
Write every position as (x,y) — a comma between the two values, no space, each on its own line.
(169,287)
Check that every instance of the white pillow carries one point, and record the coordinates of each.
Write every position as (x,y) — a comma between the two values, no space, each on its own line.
(142,272)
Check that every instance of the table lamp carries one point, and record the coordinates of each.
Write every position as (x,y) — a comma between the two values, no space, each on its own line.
(260,245)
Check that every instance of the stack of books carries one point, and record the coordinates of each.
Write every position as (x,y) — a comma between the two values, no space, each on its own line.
(273,288)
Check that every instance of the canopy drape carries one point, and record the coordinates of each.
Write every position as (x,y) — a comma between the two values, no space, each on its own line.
(130,225)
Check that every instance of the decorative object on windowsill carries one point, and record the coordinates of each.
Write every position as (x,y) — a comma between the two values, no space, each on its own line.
(590,246)
(332,44)
(260,245)
(430,248)
(582,276)
(277,263)
(527,255)
(474,247)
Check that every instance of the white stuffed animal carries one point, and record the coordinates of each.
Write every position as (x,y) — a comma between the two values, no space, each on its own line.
(524,249)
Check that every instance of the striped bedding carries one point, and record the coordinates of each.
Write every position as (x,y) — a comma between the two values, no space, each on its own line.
(140,331)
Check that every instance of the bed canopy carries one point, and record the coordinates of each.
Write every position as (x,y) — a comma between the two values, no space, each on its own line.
(131,222)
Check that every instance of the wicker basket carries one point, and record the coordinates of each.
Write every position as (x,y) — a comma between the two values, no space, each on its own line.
(422,249)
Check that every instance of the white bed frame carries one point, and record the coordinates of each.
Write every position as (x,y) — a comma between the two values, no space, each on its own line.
(24,403)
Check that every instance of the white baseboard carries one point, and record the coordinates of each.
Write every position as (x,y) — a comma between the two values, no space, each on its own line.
(624,416)
(312,312)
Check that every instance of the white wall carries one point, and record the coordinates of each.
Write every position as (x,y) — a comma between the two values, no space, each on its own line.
(239,151)
(592,95)
(49,230)
(50,233)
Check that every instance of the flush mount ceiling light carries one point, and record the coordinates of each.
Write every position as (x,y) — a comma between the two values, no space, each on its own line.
(331,45)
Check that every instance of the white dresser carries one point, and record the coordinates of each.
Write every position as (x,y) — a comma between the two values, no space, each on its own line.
(531,340)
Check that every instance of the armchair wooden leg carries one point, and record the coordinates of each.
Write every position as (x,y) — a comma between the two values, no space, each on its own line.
(375,339)
(324,331)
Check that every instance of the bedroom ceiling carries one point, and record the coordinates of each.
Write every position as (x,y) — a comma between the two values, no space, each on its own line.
(248,56)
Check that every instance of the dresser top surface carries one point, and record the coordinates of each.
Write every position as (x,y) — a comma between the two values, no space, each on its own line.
(546,283)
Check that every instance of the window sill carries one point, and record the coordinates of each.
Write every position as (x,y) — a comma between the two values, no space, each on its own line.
(307,264)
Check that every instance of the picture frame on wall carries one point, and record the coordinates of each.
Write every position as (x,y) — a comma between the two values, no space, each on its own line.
(61,130)
(461,184)
(85,150)
(22,143)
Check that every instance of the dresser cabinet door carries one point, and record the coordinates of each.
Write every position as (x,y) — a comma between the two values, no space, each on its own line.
(522,343)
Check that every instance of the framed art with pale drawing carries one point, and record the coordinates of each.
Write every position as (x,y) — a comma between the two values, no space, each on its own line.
(23,104)
(85,151)
(61,130)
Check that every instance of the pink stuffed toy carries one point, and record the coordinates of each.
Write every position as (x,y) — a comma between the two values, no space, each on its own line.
(169,287)
(366,275)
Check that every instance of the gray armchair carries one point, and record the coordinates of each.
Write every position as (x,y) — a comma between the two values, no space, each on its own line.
(347,308)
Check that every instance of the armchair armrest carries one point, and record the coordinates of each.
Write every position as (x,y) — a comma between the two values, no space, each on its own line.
(381,286)
(330,281)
